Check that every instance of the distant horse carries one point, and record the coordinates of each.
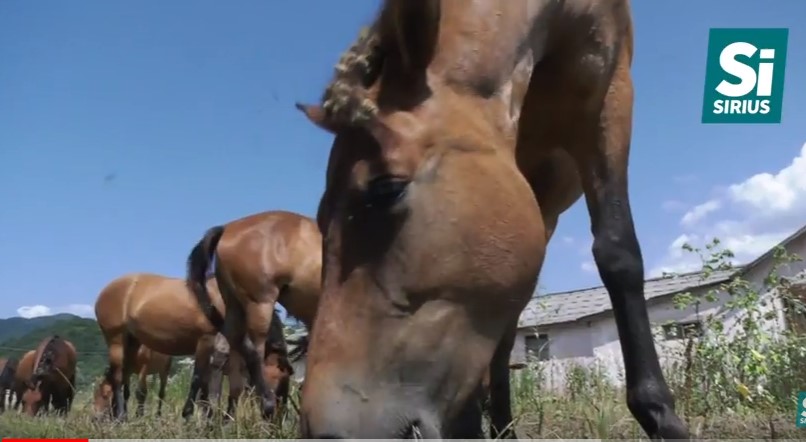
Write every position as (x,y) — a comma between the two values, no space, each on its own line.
(148,362)
(54,377)
(160,313)
(277,369)
(25,368)
(8,367)
(261,259)
(462,131)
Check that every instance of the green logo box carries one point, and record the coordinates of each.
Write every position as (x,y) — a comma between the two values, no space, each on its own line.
(800,419)
(744,75)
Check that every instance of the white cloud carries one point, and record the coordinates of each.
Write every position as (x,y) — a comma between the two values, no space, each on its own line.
(700,211)
(748,217)
(589,267)
(568,239)
(35,311)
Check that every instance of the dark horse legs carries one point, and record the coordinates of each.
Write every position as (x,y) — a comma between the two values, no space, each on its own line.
(601,151)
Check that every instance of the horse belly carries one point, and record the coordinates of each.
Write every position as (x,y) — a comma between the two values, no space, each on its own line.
(164,331)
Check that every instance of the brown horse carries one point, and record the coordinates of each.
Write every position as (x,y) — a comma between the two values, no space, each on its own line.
(276,368)
(148,362)
(54,377)
(261,259)
(8,367)
(462,131)
(160,313)
(25,368)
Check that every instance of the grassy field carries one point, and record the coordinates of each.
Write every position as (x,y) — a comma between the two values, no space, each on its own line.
(729,383)
(601,413)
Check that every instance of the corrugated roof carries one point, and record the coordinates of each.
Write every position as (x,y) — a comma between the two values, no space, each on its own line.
(556,308)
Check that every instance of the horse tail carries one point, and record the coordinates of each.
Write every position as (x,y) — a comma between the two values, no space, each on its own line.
(198,264)
(7,375)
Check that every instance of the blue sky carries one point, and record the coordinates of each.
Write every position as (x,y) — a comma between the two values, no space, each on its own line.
(128,128)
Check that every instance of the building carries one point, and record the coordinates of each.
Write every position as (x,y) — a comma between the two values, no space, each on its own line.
(578,328)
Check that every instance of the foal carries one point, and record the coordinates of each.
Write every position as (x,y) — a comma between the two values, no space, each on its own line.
(148,362)
(462,131)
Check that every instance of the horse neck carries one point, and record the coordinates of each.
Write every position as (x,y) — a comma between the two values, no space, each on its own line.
(48,356)
(490,62)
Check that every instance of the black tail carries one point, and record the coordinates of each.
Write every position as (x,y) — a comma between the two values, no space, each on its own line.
(198,265)
(7,375)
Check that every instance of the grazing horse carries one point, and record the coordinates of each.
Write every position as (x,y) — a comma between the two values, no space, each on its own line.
(148,362)
(25,368)
(54,377)
(8,367)
(276,370)
(462,131)
(158,312)
(261,259)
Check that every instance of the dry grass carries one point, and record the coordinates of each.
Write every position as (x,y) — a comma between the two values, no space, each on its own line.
(601,414)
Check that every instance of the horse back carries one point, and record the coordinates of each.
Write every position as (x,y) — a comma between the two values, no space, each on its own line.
(268,247)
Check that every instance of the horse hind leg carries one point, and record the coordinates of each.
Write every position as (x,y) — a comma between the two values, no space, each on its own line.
(601,148)
(142,391)
(161,394)
(115,377)
(218,363)
(129,359)
(200,363)
(236,381)
(253,349)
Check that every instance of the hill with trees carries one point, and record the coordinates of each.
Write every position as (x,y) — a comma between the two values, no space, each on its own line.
(14,327)
(22,335)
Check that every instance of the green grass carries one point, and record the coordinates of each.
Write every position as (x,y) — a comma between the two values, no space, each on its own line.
(597,411)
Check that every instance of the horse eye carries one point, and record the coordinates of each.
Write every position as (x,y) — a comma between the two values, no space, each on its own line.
(385,191)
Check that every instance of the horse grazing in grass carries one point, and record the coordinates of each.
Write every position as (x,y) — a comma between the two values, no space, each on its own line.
(54,377)
(261,259)
(8,367)
(25,368)
(148,362)
(462,131)
(158,312)
(276,369)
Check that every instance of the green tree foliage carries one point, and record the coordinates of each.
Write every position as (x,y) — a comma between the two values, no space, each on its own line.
(83,333)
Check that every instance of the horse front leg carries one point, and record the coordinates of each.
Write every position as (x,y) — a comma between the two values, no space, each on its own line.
(601,145)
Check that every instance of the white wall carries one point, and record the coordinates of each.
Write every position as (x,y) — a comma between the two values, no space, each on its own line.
(595,339)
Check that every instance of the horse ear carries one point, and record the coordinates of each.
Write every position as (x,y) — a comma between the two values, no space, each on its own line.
(412,27)
(316,115)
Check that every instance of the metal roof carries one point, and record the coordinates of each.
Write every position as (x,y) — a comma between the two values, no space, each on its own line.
(556,308)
